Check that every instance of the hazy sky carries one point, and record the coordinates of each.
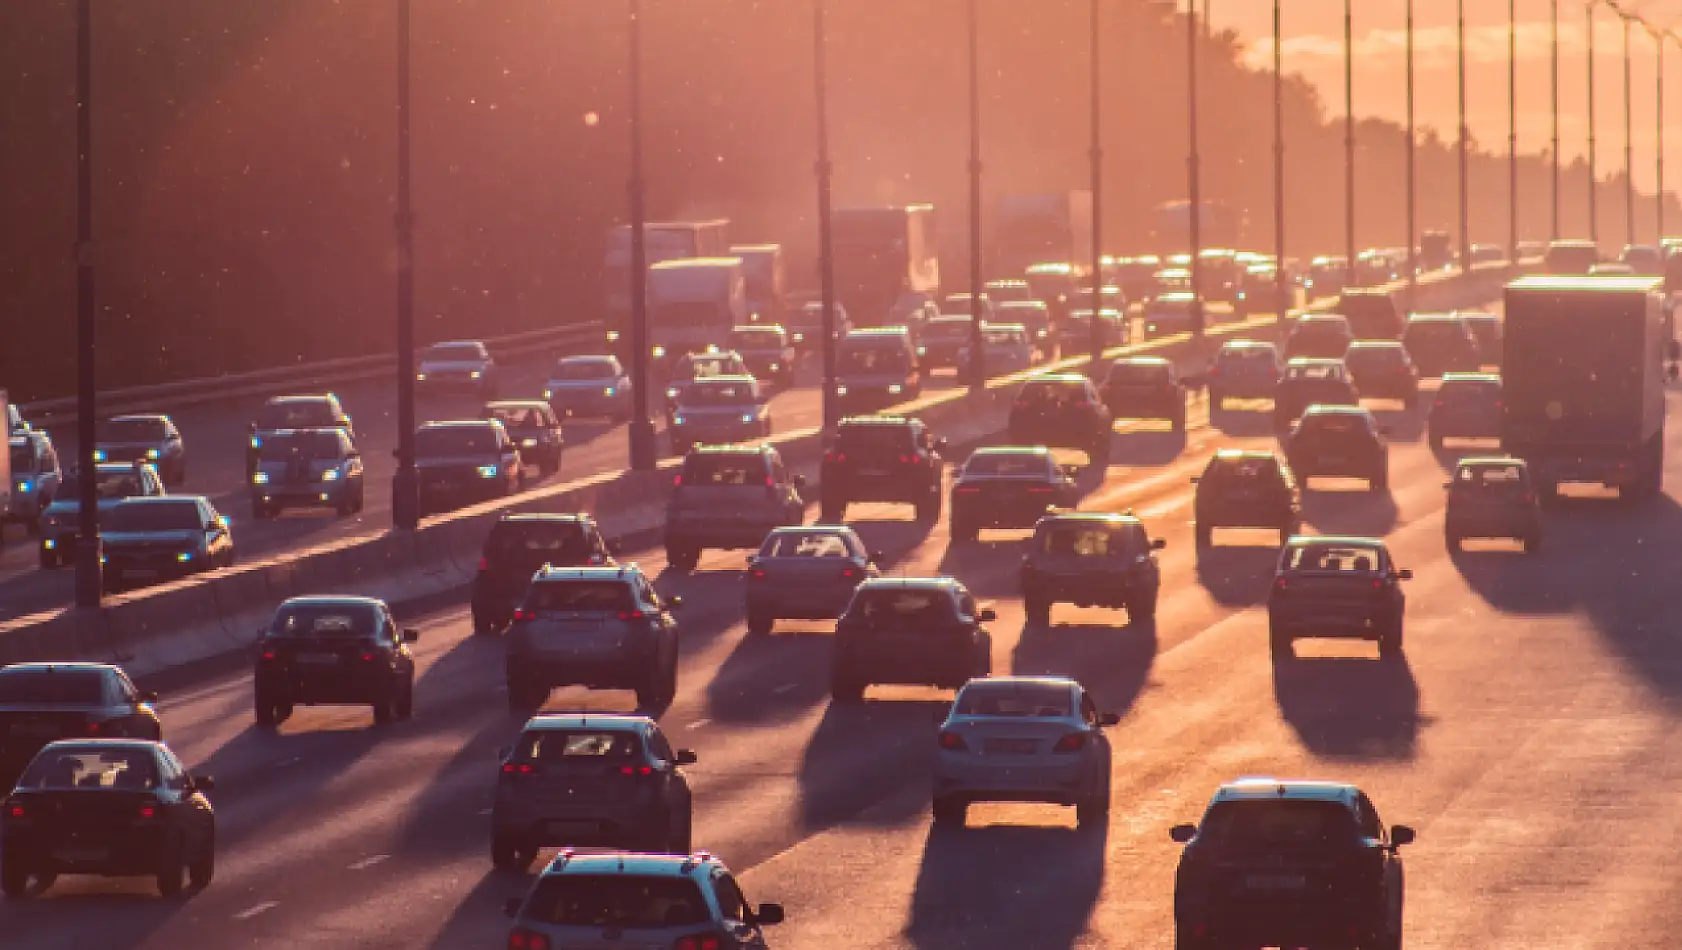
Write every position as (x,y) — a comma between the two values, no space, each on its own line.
(1313,47)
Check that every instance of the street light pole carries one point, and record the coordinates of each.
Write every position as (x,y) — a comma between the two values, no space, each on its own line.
(1465,144)
(1629,139)
(826,246)
(1658,149)
(405,487)
(977,351)
(1553,77)
(1194,175)
(89,571)
(1281,274)
(1096,328)
(1512,129)
(1412,170)
(1349,134)
(641,429)
(1594,203)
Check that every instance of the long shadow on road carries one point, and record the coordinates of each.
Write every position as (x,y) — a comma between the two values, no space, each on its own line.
(1623,560)
(1113,663)
(1031,888)
(863,753)
(1350,708)
(1236,575)
(1368,514)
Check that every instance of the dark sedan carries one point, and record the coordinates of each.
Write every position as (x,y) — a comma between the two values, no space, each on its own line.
(42,702)
(1009,487)
(1339,587)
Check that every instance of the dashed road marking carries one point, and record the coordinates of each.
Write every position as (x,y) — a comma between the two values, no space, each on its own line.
(784,688)
(369,862)
(256,909)
(698,723)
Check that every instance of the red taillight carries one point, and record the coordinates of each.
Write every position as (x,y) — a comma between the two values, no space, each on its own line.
(1073,742)
(524,614)
(1041,490)
(952,742)
(484,564)
(695,942)
(758,574)
(269,655)
(636,770)
(770,482)
(1021,404)
(1437,405)
(1280,584)
(523,939)
(518,768)
(847,572)
(16,811)
(1498,403)
(966,490)
(367,657)
(148,811)
(1214,371)
(93,728)
(835,457)
(1527,498)
(677,480)
(907,459)
(1378,584)
(632,615)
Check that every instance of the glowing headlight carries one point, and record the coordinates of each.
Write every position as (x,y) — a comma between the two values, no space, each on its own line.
(840,390)
(256,443)
(49,544)
(677,420)
(659,351)
(800,338)
(528,443)
(152,454)
(488,471)
(609,391)
(612,336)
(26,486)
(671,393)
(476,374)
(259,478)
(99,455)
(896,389)
(331,475)
(775,367)
(747,417)
(420,377)
(548,394)
(184,556)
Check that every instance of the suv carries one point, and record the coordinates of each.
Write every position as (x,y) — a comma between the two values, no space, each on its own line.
(307,468)
(729,496)
(590,779)
(334,651)
(648,900)
(876,368)
(766,350)
(1442,343)
(1009,486)
(533,425)
(919,631)
(1382,369)
(1341,587)
(882,459)
(1468,406)
(148,437)
(1246,489)
(1492,497)
(1244,369)
(1146,387)
(943,339)
(518,547)
(35,479)
(1339,442)
(1287,864)
(465,462)
(281,413)
(1091,558)
(1372,313)
(1319,336)
(1310,382)
(601,627)
(1064,411)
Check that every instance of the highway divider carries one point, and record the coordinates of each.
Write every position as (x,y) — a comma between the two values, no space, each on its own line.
(202,618)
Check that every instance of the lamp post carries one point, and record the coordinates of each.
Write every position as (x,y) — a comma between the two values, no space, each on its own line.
(641,429)
(1349,135)
(405,488)
(1629,139)
(977,352)
(1464,142)
(1553,78)
(826,246)
(1193,176)
(1512,129)
(1097,326)
(1281,275)
(89,571)
(1412,170)
(1658,149)
(1594,209)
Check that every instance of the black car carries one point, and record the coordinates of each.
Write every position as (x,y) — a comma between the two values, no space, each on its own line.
(1442,343)
(464,462)
(943,338)
(599,627)
(1382,369)
(1468,406)
(1487,330)
(1339,587)
(518,547)
(919,631)
(1492,497)
(280,413)
(341,651)
(876,367)
(42,702)
(1372,312)
(1244,369)
(893,459)
(535,428)
(599,779)
(1146,387)
(1289,864)
(1063,411)
(1339,442)
(766,349)
(163,538)
(1009,486)
(1311,382)
(110,808)
(1091,559)
(1245,489)
(1323,336)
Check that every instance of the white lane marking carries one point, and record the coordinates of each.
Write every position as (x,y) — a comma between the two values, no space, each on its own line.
(256,909)
(784,688)
(369,862)
(698,723)
(486,811)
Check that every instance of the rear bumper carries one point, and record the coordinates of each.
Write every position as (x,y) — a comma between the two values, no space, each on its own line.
(883,666)
(117,853)
(1086,590)
(839,486)
(797,603)
(729,534)
(1003,513)
(290,684)
(620,672)
(1493,525)
(1332,621)
(984,781)
(605,824)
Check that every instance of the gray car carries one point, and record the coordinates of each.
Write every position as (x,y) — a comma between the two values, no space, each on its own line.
(766,349)
(115,481)
(457,365)
(729,497)
(464,462)
(143,438)
(589,386)
(719,410)
(307,468)
(805,573)
(35,479)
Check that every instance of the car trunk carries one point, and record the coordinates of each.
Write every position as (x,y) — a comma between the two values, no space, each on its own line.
(580,633)
(1333,588)
(805,572)
(24,730)
(90,814)
(723,501)
(1011,740)
(324,654)
(581,780)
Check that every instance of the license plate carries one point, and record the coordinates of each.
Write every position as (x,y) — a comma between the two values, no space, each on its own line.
(1009,746)
(579,626)
(317,659)
(1276,882)
(873,472)
(573,828)
(80,855)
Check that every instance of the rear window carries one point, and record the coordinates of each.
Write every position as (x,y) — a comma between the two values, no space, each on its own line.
(23,458)
(718,468)
(456,440)
(92,767)
(1242,470)
(701,367)
(585,369)
(580,596)
(883,357)
(616,900)
(1052,393)
(1046,700)
(131,430)
(325,620)
(577,746)
(31,686)
(1434,331)
(1358,356)
(903,607)
(154,516)
(1007,463)
(1340,423)
(1342,558)
(879,438)
(296,415)
(525,540)
(1500,478)
(520,417)
(1249,354)
(1089,540)
(1138,372)
(947,329)
(755,339)
(806,544)
(1277,825)
(109,485)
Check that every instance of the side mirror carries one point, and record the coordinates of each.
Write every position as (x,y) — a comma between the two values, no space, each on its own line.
(685,757)
(752,558)
(939,714)
(987,615)
(1108,719)
(1182,833)
(674,602)
(397,454)
(511,906)
(1158,544)
(1404,575)
(149,696)
(201,783)
(251,427)
(768,914)
(411,636)
(1401,834)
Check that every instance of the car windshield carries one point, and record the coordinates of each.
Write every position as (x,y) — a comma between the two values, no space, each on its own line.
(992,336)
(325,620)
(1007,463)
(903,608)
(947,330)
(701,367)
(875,439)
(1458,393)
(434,441)
(723,469)
(1138,373)
(1339,558)
(28,686)
(525,540)
(320,445)
(453,353)
(1244,469)
(297,414)
(581,746)
(1340,423)
(1269,825)
(616,900)
(719,394)
(583,596)
(1171,305)
(806,544)
(154,516)
(581,369)
(1040,700)
(1052,393)
(1490,478)
(1086,540)
(107,485)
(130,430)
(872,359)
(766,339)
(84,767)
(519,417)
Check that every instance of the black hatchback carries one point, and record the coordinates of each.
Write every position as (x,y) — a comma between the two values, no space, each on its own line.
(518,547)
(917,631)
(344,651)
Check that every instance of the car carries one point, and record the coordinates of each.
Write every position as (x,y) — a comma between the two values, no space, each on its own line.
(1319,336)
(1570,257)
(1339,442)
(590,779)
(1009,486)
(518,546)
(1246,489)
(963,305)
(1008,290)
(1054,282)
(1033,315)
(882,458)
(143,437)
(164,538)
(589,386)
(918,631)
(1327,276)
(1340,587)
(1134,275)
(1289,863)
(730,497)
(719,410)
(686,902)
(1114,300)
(805,573)
(1309,382)
(307,468)
(535,428)
(943,340)
(1441,343)
(1091,559)
(1642,259)
(1005,348)
(765,347)
(1467,406)
(36,476)
(1492,497)
(1146,387)
(1611,269)
(1244,369)
(1074,331)
(1063,411)
(1372,312)
(456,365)
(1023,739)
(687,369)
(61,524)
(333,651)
(1487,330)
(465,461)
(805,326)
(876,367)
(287,413)
(603,627)
(1171,313)
(109,808)
(43,702)
(1382,369)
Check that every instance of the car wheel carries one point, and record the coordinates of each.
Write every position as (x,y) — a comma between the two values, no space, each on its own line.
(928,510)
(550,466)
(965,531)
(683,559)
(49,561)
(1205,535)
(1533,544)
(682,840)
(270,712)
(950,812)
(14,876)
(202,870)
(1143,610)
(405,705)
(1278,641)
(846,690)
(346,506)
(482,625)
(652,692)
(1454,542)
(172,870)
(1379,482)
(261,512)
(510,854)
(760,622)
(1390,641)
(1094,811)
(833,512)
(1037,610)
(385,708)
(1436,442)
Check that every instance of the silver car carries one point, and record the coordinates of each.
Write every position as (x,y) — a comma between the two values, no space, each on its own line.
(61,522)
(589,386)
(1023,739)
(459,365)
(806,573)
(719,410)
(143,438)
(307,468)
(35,479)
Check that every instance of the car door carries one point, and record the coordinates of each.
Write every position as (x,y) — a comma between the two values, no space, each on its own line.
(196,817)
(1098,759)
(1373,828)
(734,912)
(678,796)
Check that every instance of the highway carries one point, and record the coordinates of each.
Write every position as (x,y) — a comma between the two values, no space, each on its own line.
(1529,734)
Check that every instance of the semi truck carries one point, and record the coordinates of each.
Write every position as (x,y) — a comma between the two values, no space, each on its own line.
(693,303)
(1041,229)
(767,280)
(662,241)
(1584,373)
(881,254)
